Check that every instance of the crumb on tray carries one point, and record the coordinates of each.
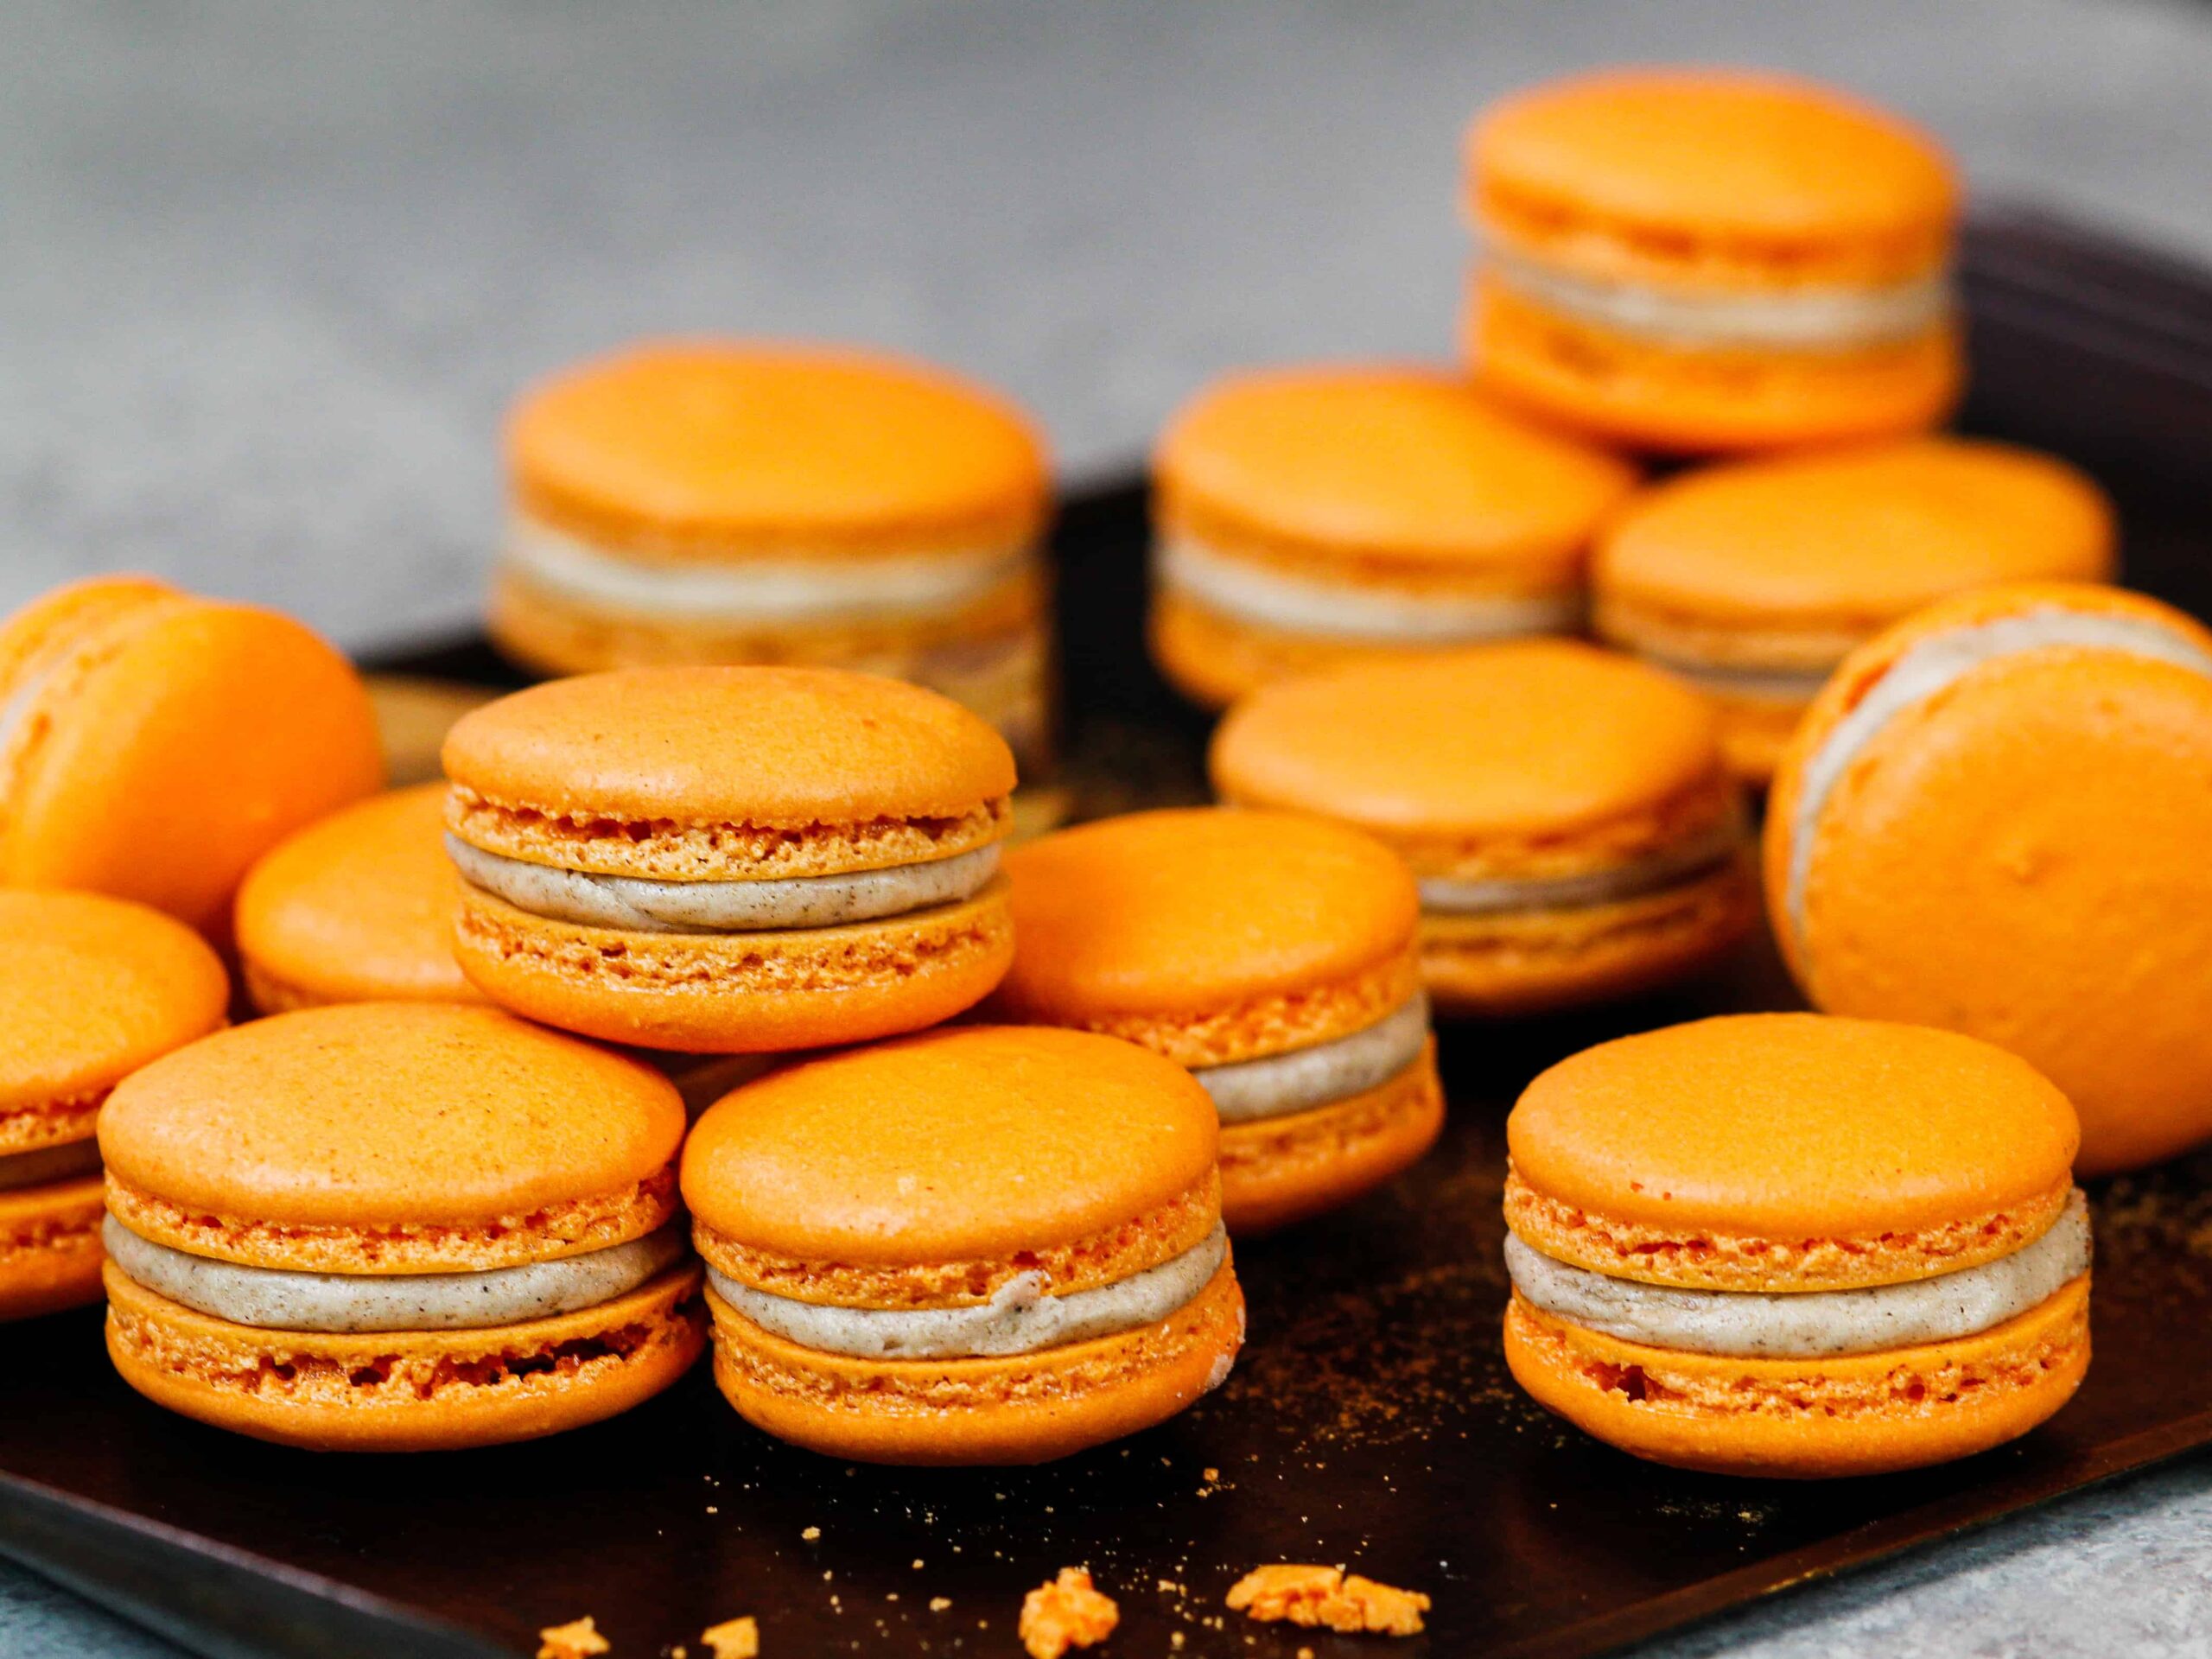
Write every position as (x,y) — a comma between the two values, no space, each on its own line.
(578,1639)
(1326,1596)
(1065,1614)
(734,1638)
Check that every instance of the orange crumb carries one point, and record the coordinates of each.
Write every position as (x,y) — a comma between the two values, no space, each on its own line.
(734,1638)
(579,1639)
(938,1604)
(1326,1596)
(811,1534)
(1065,1614)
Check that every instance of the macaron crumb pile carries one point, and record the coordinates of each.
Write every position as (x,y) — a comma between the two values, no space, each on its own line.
(1327,1597)
(1066,1611)
(578,1639)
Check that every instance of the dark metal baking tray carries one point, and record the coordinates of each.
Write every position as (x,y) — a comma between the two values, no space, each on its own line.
(1371,1420)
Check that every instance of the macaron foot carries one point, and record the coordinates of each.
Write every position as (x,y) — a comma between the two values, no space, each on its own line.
(49,1247)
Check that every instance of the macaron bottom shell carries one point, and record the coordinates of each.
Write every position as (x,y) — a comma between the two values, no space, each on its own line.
(50,1247)
(1801,1419)
(1523,962)
(1275,1171)
(739,993)
(1021,1408)
(408,1391)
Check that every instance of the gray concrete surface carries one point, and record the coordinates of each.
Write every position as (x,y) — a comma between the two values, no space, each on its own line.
(269,272)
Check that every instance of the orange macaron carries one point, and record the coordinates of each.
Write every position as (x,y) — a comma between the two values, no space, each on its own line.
(1994,819)
(397,1226)
(1314,517)
(985,1245)
(153,745)
(1276,955)
(730,859)
(1704,259)
(1754,578)
(94,987)
(1566,812)
(1796,1246)
(755,501)
(357,907)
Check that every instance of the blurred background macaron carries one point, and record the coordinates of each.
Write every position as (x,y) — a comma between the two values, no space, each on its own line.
(397,1226)
(1575,831)
(1754,578)
(730,859)
(1995,819)
(984,1245)
(94,988)
(357,907)
(752,501)
(1711,260)
(153,744)
(1308,518)
(1274,954)
(1787,1245)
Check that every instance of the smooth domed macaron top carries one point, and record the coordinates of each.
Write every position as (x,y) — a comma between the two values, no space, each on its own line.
(963,1144)
(1792,1125)
(1715,151)
(94,987)
(1505,739)
(794,445)
(1191,910)
(748,745)
(1867,533)
(1382,461)
(379,1115)
(359,906)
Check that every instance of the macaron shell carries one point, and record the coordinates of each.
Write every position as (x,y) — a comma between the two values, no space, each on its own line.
(94,987)
(1276,1170)
(1792,1127)
(1214,659)
(358,907)
(197,742)
(1796,1419)
(783,746)
(967,1144)
(389,1114)
(689,445)
(1024,1409)
(49,1247)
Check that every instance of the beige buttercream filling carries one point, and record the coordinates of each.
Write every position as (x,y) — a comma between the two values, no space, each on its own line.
(1303,1078)
(1669,866)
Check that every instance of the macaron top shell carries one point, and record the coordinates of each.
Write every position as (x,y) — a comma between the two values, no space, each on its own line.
(1384,462)
(94,987)
(1861,535)
(962,1144)
(359,906)
(389,1116)
(795,448)
(781,746)
(1792,1127)
(1760,157)
(1499,739)
(1186,911)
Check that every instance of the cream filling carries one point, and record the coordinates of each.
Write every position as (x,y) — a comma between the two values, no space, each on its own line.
(42,1165)
(1274,1084)
(1021,1317)
(277,1299)
(1805,319)
(1934,666)
(1809,1323)
(793,590)
(1791,686)
(1302,605)
(1670,867)
(643,905)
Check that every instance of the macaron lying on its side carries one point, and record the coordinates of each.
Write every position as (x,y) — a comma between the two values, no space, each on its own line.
(1275,956)
(730,859)
(1995,819)
(397,1226)
(92,988)
(1797,1246)
(984,1245)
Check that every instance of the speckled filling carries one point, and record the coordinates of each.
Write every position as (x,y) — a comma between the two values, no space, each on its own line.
(641,903)
(279,1299)
(1354,611)
(1020,1318)
(1669,866)
(1809,1323)
(1244,1090)
(42,1165)
(1791,686)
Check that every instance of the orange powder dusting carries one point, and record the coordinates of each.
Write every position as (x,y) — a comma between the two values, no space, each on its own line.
(1066,1613)
(579,1639)
(734,1638)
(1325,1595)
